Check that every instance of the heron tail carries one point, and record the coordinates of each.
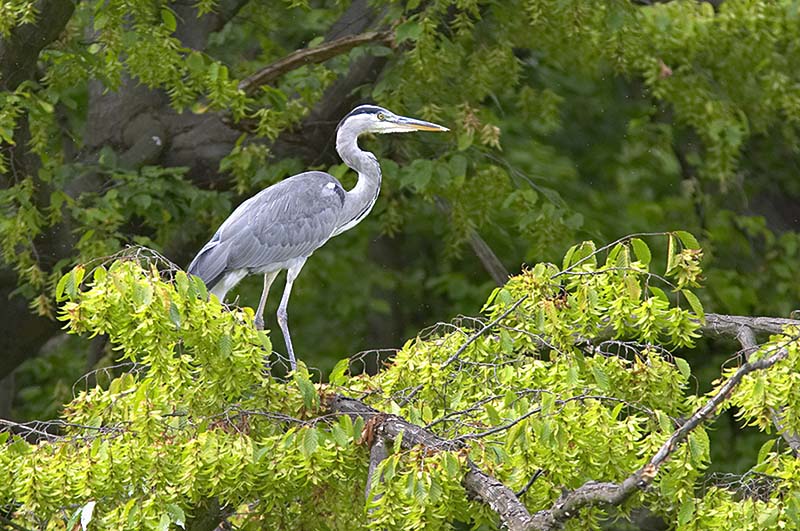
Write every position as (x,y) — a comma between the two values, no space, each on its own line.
(209,264)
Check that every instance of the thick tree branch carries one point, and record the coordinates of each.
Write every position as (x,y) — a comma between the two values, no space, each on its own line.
(377,453)
(499,497)
(20,51)
(731,325)
(315,55)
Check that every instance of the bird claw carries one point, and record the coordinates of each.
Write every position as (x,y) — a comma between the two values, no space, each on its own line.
(259,324)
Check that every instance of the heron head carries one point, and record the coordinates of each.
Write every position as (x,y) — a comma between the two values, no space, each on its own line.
(374,119)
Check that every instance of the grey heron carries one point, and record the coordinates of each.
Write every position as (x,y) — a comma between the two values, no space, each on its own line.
(281,226)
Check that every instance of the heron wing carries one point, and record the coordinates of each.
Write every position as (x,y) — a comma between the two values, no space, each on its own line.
(286,221)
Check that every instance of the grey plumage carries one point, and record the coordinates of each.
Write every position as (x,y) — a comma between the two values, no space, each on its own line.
(272,227)
(281,226)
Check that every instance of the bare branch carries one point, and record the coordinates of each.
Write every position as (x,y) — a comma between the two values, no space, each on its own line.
(731,325)
(318,54)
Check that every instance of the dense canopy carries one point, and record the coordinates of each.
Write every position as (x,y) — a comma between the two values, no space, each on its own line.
(144,123)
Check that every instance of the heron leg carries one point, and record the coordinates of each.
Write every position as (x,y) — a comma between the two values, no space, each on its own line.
(269,278)
(283,316)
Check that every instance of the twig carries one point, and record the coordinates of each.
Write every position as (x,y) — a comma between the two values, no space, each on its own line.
(479,333)
(6,521)
(607,247)
(530,482)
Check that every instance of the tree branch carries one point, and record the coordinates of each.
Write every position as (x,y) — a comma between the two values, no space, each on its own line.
(318,54)
(747,339)
(512,512)
(499,497)
(731,325)
(377,453)
(20,51)
(594,493)
(6,522)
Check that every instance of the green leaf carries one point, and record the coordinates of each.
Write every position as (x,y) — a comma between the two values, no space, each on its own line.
(225,345)
(768,517)
(174,315)
(266,344)
(504,297)
(658,293)
(664,422)
(307,389)
(337,376)
(583,252)
(452,465)
(70,283)
(465,140)
(600,377)
(398,443)
(182,281)
(683,367)
(142,295)
(61,286)
(491,299)
(699,445)
(686,511)
(388,468)
(163,523)
(310,441)
(176,515)
(688,239)
(565,263)
(694,302)
(492,414)
(513,434)
(458,166)
(642,251)
(632,287)
(670,253)
(200,287)
(765,450)
(417,175)
(410,30)
(99,275)
(339,435)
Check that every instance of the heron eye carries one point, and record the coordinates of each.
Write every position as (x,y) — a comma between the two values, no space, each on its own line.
(381,116)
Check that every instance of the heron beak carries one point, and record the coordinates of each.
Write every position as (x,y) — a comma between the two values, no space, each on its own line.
(419,125)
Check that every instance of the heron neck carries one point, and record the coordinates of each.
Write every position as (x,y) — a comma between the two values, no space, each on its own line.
(359,201)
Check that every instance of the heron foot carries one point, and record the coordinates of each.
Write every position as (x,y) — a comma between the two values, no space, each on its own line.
(259,323)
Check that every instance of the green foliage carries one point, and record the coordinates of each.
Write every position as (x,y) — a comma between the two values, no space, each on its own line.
(195,416)
(570,120)
(640,111)
(15,13)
